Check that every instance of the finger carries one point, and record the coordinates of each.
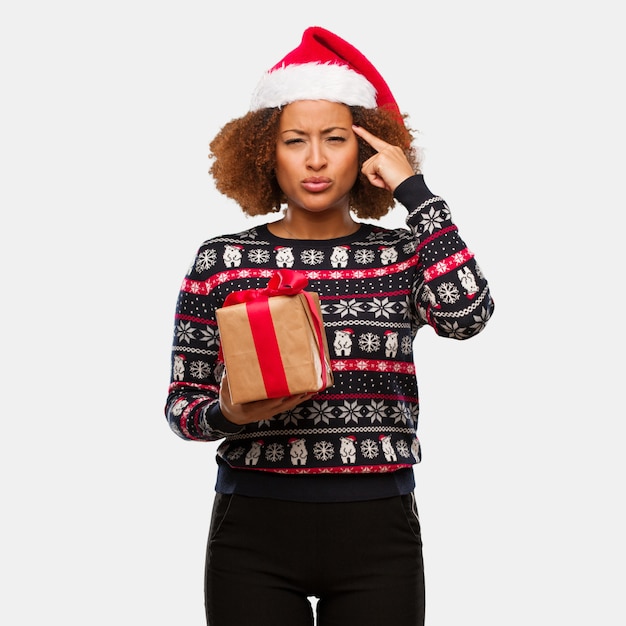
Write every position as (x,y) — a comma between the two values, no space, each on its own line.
(376,142)
(224,388)
(277,405)
(293,401)
(375,179)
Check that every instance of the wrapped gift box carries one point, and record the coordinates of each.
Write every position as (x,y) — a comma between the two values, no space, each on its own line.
(272,340)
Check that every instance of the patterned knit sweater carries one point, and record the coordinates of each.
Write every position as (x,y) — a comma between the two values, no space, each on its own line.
(377,287)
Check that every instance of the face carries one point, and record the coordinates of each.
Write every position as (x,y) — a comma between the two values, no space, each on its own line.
(316,155)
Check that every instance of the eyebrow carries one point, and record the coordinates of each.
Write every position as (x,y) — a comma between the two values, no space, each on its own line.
(324,131)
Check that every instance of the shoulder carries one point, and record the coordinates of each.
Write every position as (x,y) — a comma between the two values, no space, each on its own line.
(227,251)
(256,234)
(379,235)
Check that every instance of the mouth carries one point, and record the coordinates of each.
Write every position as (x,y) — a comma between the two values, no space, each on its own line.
(315,184)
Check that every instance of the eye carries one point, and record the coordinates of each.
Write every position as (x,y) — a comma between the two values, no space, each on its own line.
(337,138)
(294,140)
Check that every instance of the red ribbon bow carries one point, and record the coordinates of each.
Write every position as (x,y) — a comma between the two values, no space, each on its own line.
(284,282)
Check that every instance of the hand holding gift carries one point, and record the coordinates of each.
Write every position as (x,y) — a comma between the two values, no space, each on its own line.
(257,410)
(273,345)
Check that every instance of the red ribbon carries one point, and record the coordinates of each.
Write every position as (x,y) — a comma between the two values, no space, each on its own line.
(284,282)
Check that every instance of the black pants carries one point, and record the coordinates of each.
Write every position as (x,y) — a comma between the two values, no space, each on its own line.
(362,560)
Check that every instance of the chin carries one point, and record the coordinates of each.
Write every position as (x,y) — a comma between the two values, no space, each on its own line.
(320,205)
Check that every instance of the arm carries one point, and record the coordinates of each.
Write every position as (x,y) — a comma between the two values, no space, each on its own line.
(192,406)
(452,295)
(198,405)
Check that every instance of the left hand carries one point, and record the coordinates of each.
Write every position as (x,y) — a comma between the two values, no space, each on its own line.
(256,411)
(388,167)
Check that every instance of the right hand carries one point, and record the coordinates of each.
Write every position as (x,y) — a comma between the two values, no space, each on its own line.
(258,410)
(389,166)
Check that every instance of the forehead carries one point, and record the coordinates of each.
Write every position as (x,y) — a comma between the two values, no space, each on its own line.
(315,114)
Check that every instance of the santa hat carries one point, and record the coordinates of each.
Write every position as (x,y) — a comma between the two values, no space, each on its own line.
(323,67)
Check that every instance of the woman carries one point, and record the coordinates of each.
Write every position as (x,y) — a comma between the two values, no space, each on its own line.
(315,492)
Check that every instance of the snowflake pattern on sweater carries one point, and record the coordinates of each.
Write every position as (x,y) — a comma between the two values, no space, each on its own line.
(377,287)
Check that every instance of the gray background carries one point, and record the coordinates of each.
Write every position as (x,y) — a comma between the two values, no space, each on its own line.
(107,111)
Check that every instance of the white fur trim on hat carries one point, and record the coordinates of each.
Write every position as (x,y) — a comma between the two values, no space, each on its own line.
(313,81)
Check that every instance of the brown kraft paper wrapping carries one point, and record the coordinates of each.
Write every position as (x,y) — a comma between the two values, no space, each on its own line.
(294,327)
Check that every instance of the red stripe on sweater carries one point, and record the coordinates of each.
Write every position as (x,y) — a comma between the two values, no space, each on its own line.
(448,264)
(372,365)
(206,286)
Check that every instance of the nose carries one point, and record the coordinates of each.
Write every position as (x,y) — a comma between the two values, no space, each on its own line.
(316,158)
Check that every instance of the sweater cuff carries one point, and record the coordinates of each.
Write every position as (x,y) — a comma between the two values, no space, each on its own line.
(412,192)
(217,422)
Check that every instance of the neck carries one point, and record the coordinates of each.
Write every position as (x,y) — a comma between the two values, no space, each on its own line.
(315,226)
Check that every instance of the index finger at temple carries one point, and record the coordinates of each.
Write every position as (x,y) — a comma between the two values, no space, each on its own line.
(376,143)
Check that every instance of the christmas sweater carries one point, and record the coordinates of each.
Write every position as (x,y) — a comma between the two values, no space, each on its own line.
(377,288)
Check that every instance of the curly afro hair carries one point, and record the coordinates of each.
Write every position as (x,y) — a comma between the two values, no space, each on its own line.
(243,156)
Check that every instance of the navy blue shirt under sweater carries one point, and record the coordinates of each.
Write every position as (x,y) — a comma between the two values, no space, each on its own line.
(357,439)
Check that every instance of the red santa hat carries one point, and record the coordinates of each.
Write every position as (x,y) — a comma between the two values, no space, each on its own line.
(323,67)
